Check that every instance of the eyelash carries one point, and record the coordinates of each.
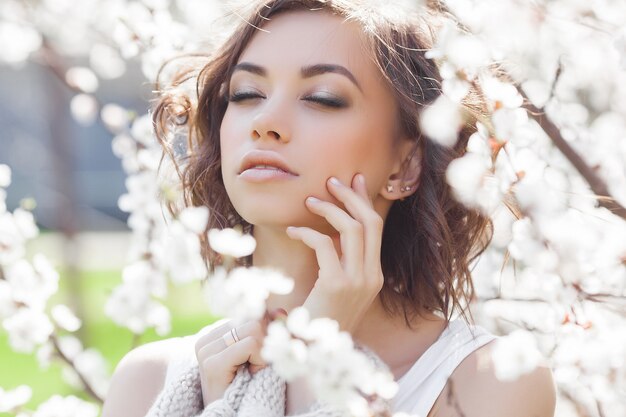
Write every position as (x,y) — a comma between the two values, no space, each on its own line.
(334,103)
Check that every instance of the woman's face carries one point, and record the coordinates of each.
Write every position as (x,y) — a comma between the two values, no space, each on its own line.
(306,89)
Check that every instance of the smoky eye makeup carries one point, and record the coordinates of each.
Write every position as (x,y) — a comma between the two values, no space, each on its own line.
(322,97)
(238,96)
(327,99)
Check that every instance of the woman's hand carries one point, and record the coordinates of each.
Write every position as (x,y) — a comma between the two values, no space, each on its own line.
(218,363)
(345,287)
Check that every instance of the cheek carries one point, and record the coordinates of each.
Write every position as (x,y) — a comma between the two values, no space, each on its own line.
(354,143)
(228,136)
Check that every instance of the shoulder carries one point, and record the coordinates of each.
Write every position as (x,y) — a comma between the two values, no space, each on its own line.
(140,375)
(474,389)
(138,378)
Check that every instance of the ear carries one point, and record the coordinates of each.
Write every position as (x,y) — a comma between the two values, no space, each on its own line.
(405,176)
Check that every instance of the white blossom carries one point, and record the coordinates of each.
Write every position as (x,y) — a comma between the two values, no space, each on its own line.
(441,121)
(288,355)
(12,399)
(82,78)
(11,239)
(5,176)
(515,355)
(65,318)
(94,368)
(317,348)
(70,346)
(241,293)
(231,242)
(195,218)
(33,284)
(620,46)
(145,274)
(115,118)
(27,328)
(124,145)
(143,130)
(500,94)
(106,61)
(7,305)
(45,354)
(25,223)
(177,252)
(130,306)
(17,42)
(70,406)
(84,108)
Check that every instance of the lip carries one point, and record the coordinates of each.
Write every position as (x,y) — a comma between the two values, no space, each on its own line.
(259,157)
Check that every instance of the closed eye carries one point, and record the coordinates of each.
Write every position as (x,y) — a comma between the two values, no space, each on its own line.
(239,96)
(325,101)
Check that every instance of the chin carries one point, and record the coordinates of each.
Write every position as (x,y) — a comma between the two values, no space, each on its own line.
(274,215)
(270,212)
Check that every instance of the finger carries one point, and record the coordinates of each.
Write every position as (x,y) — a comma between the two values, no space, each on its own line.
(362,209)
(222,367)
(350,231)
(358,184)
(323,246)
(213,335)
(356,204)
(246,350)
(249,329)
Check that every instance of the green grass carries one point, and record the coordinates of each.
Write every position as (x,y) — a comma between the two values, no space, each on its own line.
(189,314)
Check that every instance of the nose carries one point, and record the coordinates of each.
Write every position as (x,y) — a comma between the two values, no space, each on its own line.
(271,122)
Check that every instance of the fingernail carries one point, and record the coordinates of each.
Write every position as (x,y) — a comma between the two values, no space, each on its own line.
(312,200)
(361,179)
(335,181)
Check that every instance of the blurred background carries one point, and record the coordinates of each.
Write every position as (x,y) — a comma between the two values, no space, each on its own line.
(67,166)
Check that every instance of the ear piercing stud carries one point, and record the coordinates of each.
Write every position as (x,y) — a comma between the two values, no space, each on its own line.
(402,189)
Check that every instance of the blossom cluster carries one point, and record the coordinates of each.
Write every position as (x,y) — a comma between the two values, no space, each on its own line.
(163,245)
(338,373)
(554,276)
(35,327)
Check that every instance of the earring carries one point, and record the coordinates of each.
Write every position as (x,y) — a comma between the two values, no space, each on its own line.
(389,188)
(407,188)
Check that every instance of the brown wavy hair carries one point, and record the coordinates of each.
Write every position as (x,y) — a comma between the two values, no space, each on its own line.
(429,239)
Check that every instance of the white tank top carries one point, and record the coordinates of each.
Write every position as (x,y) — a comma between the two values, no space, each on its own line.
(422,384)
(418,388)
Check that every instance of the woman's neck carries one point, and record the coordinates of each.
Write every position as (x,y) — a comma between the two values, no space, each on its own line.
(296,260)
(291,257)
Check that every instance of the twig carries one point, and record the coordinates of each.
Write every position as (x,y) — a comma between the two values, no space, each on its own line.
(70,362)
(597,184)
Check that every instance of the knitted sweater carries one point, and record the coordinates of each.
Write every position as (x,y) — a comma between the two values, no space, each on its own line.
(260,395)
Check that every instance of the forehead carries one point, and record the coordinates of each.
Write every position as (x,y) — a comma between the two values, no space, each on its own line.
(294,39)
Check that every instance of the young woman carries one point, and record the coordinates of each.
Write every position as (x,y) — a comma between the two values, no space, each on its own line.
(322,99)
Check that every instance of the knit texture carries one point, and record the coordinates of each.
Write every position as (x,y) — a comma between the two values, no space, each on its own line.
(260,395)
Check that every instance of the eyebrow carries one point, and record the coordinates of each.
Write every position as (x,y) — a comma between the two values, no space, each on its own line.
(306,72)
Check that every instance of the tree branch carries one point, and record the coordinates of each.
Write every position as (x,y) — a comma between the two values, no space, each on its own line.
(70,362)
(597,184)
